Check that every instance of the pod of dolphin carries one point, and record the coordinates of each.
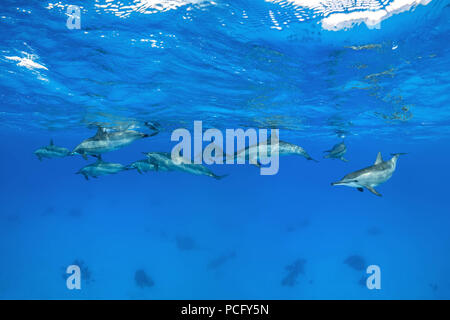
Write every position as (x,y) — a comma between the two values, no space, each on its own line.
(109,140)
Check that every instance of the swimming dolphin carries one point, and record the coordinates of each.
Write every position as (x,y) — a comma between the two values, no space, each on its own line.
(337,152)
(101,168)
(161,160)
(142,166)
(199,170)
(164,161)
(284,148)
(106,141)
(372,176)
(52,151)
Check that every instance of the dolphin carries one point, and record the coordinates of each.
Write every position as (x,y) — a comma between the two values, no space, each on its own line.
(372,176)
(199,170)
(284,148)
(161,160)
(52,151)
(101,168)
(142,166)
(337,152)
(106,141)
(164,161)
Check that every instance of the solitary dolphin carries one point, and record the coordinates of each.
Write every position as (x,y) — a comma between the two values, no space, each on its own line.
(284,148)
(164,161)
(337,152)
(52,151)
(106,141)
(372,176)
(101,168)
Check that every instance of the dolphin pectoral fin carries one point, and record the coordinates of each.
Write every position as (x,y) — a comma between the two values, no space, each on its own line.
(86,177)
(139,170)
(101,132)
(84,155)
(360,189)
(343,159)
(258,164)
(373,191)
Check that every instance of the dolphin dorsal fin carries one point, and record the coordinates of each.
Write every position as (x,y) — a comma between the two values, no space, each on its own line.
(100,132)
(51,142)
(379,158)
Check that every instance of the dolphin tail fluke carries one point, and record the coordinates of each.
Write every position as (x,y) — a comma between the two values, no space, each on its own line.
(398,154)
(373,191)
(130,167)
(257,164)
(154,126)
(219,177)
(98,157)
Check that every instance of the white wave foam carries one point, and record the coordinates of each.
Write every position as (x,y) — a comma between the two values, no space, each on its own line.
(27,62)
(121,9)
(342,14)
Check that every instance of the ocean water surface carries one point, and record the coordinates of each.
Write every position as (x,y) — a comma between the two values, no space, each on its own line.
(373,74)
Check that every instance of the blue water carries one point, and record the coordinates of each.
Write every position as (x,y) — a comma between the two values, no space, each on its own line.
(231,64)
